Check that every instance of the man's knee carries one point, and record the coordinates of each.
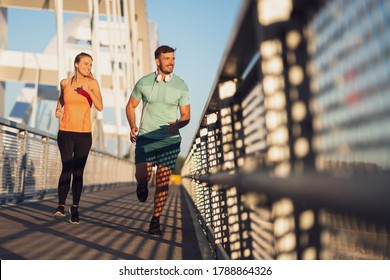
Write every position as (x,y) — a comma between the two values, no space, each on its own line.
(163,176)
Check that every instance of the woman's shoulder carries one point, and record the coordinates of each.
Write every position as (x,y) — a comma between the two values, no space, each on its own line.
(92,81)
(65,82)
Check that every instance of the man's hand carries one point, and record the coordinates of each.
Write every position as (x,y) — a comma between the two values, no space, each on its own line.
(133,134)
(173,127)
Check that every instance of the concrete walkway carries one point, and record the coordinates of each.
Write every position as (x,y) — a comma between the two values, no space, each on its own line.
(113,225)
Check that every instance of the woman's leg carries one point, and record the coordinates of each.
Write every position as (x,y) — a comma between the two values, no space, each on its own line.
(65,145)
(81,151)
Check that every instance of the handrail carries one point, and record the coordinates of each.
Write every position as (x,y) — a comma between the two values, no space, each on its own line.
(344,193)
(30,164)
(24,127)
(291,159)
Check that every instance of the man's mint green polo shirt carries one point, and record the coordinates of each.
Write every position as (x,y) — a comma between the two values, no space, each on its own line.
(161,101)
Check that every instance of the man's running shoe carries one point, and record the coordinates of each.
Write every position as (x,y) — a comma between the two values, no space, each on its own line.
(154,227)
(142,192)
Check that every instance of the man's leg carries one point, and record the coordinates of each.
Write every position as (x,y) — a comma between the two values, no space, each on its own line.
(166,153)
(143,173)
(162,187)
(160,197)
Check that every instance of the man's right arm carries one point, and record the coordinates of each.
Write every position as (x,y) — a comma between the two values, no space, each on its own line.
(130,114)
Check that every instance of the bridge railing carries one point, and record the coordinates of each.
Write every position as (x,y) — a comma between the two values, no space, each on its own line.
(30,165)
(292,156)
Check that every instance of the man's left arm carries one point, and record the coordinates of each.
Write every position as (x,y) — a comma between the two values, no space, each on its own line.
(185,115)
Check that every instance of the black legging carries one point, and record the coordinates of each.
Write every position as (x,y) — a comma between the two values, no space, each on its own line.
(74,148)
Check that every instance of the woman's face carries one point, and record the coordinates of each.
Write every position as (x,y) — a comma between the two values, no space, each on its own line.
(84,66)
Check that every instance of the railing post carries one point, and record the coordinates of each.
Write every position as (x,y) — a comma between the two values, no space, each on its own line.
(22,163)
(45,165)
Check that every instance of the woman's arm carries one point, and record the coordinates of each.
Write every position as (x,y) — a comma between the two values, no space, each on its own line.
(93,89)
(60,101)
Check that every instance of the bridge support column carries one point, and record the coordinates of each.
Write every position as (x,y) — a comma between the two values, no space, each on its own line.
(3,45)
(97,117)
(59,11)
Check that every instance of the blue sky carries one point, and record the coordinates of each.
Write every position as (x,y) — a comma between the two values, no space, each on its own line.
(198,29)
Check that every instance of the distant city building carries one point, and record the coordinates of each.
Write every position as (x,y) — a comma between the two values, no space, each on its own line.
(115,33)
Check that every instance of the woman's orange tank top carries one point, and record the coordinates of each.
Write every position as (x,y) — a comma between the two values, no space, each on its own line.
(77,111)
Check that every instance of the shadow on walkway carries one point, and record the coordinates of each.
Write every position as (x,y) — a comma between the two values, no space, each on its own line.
(113,225)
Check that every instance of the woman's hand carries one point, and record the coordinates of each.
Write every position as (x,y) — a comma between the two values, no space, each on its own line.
(86,88)
(58,113)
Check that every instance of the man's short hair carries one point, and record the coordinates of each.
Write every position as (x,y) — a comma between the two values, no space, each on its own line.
(163,49)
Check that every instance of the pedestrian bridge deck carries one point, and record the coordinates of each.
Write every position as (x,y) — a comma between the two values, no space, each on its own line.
(113,226)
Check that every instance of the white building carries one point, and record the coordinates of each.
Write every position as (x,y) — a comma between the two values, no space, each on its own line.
(116,34)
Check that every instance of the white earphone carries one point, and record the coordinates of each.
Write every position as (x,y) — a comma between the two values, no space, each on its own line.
(166,79)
